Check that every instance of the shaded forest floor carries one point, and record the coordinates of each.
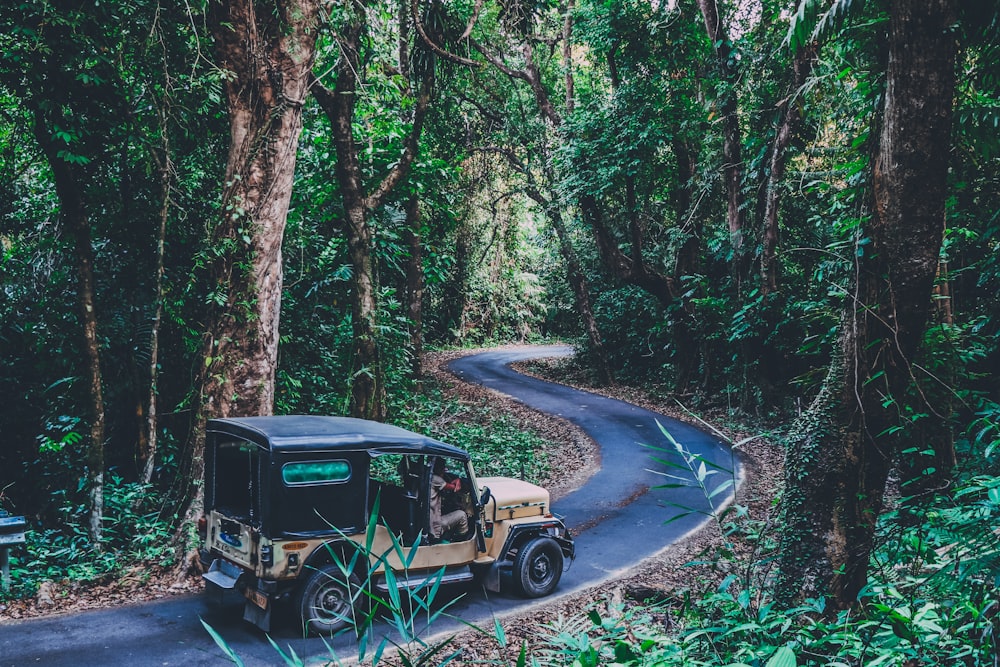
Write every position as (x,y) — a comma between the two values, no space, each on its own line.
(665,578)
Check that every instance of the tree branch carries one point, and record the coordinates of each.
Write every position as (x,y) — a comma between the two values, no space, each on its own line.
(447,55)
(412,145)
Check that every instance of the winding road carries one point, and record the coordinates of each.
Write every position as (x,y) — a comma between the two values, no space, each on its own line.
(618,517)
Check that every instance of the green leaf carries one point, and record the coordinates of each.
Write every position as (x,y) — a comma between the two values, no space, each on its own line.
(783,657)
(499,633)
(221,643)
(522,657)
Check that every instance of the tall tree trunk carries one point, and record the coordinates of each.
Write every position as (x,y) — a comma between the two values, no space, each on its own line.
(732,159)
(74,216)
(267,51)
(687,352)
(415,285)
(788,128)
(368,374)
(147,454)
(837,467)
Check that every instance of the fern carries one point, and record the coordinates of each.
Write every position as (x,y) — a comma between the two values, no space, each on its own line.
(811,23)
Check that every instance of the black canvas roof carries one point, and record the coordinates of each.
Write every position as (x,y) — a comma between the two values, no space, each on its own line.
(313,432)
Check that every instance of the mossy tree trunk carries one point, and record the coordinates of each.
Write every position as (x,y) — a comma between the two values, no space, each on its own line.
(837,466)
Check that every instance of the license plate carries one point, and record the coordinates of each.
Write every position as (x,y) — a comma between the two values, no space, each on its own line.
(256,597)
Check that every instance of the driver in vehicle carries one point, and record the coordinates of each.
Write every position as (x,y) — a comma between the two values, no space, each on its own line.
(456,522)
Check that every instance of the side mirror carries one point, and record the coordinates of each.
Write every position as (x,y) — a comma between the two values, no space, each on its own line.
(485,497)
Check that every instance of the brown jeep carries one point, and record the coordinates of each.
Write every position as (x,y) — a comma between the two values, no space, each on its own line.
(291,502)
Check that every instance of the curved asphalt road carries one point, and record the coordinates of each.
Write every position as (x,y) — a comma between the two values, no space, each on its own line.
(617,516)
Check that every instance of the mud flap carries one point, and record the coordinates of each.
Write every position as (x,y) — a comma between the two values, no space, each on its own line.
(259,617)
(491,580)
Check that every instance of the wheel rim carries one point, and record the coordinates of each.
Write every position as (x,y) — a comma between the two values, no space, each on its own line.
(331,604)
(541,570)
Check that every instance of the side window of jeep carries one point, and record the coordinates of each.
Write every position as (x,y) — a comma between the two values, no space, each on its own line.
(302,473)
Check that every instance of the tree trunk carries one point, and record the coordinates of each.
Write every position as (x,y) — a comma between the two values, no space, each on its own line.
(266,51)
(837,467)
(147,454)
(368,374)
(74,216)
(687,352)
(731,142)
(84,253)
(415,286)
(791,120)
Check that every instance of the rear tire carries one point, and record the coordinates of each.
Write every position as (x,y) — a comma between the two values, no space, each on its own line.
(538,567)
(327,601)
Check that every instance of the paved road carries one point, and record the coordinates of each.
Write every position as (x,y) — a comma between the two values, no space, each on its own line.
(618,517)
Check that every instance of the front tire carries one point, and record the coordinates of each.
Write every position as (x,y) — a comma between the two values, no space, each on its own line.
(538,567)
(326,602)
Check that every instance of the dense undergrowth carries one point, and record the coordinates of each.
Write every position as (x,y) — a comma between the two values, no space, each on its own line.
(933,596)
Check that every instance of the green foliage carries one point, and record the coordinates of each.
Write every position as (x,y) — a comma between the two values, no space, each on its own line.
(137,539)
(491,292)
(499,444)
(815,21)
(932,597)
(121,91)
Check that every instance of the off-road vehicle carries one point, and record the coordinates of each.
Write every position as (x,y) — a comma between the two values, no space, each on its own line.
(289,501)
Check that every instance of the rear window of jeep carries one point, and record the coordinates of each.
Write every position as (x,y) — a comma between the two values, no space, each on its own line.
(301,473)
